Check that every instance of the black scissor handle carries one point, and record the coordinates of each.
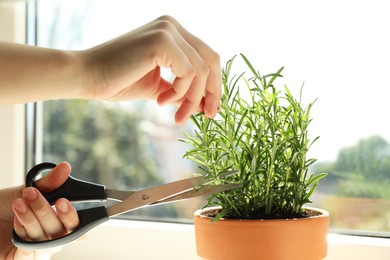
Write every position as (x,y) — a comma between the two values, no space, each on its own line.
(89,218)
(73,189)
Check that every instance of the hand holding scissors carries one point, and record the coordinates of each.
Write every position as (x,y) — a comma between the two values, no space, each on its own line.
(77,190)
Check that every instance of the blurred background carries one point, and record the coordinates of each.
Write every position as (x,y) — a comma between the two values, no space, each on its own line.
(338,49)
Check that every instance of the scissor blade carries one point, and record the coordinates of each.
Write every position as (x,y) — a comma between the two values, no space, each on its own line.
(118,195)
(148,196)
(203,190)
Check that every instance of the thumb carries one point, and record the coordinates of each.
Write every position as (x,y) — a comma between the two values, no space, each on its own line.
(55,178)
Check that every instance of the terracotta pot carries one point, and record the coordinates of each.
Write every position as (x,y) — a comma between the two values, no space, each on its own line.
(279,239)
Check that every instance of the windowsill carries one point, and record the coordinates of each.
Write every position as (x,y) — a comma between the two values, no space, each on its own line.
(124,239)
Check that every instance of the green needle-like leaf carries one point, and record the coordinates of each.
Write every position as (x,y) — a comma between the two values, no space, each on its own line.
(262,131)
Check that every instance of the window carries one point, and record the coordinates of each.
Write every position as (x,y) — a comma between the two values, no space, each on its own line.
(339,49)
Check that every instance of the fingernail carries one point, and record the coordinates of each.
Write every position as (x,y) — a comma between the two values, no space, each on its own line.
(20,206)
(30,194)
(63,206)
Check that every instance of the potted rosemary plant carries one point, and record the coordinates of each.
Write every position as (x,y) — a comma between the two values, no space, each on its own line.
(262,132)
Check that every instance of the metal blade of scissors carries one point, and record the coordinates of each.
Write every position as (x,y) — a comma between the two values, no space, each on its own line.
(118,195)
(149,196)
(204,190)
(145,197)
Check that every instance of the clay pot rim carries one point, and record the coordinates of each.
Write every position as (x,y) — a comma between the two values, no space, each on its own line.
(324,214)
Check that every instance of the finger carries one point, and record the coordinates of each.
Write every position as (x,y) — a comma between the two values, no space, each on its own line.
(55,178)
(184,112)
(207,80)
(213,95)
(176,91)
(32,228)
(19,252)
(44,213)
(19,229)
(194,95)
(67,214)
(212,104)
(189,89)
(22,254)
(164,85)
(212,60)
(182,67)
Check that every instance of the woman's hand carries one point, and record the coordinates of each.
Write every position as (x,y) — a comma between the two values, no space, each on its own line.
(34,218)
(128,67)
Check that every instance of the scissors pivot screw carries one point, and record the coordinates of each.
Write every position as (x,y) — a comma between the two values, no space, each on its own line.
(145,197)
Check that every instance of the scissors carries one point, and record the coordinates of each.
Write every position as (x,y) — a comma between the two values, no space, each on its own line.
(78,190)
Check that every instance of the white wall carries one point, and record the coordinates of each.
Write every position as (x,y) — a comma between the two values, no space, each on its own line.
(12,126)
